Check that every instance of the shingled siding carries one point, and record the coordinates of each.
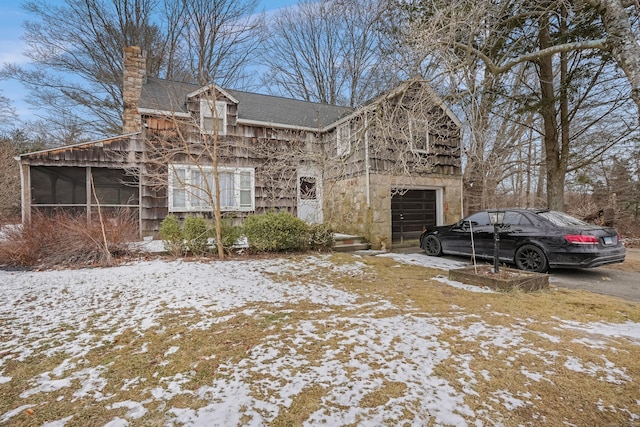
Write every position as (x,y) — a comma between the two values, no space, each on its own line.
(275,154)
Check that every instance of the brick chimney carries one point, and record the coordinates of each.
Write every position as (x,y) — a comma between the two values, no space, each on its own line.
(134,76)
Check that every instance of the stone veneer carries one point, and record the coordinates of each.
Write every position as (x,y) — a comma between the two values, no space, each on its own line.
(346,210)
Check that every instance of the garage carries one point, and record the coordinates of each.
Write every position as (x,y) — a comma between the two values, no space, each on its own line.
(411,212)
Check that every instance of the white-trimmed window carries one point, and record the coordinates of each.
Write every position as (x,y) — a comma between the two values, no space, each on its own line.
(190,187)
(212,118)
(419,136)
(343,138)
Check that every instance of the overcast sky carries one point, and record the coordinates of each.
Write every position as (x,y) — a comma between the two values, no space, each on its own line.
(11,46)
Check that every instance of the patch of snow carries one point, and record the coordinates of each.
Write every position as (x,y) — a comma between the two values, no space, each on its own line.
(117,422)
(629,330)
(171,350)
(58,423)
(425,261)
(12,413)
(459,285)
(8,229)
(136,409)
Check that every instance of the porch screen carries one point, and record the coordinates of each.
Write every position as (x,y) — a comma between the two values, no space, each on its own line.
(67,186)
(58,185)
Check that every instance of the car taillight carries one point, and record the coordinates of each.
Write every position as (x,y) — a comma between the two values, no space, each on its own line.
(581,239)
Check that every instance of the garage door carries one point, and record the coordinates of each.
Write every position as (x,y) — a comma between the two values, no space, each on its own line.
(411,213)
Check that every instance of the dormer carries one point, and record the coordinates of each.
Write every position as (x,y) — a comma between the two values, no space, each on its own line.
(212,104)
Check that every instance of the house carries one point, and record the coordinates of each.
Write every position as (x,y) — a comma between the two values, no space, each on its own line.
(384,171)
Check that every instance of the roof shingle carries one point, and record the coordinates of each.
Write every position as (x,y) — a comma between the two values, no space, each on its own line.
(165,95)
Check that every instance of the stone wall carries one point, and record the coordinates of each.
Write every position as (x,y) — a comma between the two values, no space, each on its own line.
(345,207)
(346,210)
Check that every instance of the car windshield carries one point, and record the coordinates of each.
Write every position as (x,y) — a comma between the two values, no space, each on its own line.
(562,219)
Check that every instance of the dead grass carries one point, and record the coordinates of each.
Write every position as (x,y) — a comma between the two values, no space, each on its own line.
(539,370)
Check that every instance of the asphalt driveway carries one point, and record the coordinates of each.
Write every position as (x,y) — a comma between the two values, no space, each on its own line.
(607,281)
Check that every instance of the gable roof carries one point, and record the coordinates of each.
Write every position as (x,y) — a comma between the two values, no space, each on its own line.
(373,103)
(161,95)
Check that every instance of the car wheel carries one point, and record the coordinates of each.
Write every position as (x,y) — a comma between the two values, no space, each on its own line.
(432,246)
(531,258)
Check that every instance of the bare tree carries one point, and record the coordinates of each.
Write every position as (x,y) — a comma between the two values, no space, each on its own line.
(7,112)
(76,51)
(620,18)
(75,48)
(553,39)
(327,51)
(220,38)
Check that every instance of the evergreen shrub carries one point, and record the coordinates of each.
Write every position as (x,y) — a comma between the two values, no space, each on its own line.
(275,232)
(196,234)
(172,235)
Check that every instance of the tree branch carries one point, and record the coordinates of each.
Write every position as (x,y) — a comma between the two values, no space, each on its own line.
(565,47)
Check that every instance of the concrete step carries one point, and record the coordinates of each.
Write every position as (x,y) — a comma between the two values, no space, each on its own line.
(348,243)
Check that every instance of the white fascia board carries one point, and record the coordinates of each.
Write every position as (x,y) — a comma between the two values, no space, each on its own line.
(151,111)
(215,87)
(275,125)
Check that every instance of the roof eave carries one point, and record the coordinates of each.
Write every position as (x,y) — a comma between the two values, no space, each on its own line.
(155,112)
(212,86)
(276,125)
(81,144)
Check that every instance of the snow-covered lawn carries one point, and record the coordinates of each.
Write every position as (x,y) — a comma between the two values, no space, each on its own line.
(308,340)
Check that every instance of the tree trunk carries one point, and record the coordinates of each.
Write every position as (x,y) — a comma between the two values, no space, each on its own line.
(556,165)
(621,41)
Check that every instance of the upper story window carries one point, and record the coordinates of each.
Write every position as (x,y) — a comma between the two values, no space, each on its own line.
(191,188)
(213,120)
(343,137)
(419,136)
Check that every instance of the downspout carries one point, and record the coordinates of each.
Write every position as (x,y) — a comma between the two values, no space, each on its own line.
(366,160)
(461,199)
(462,215)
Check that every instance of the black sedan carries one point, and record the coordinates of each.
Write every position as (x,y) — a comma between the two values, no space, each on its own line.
(532,239)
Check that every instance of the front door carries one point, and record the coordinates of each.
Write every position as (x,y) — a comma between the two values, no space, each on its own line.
(310,196)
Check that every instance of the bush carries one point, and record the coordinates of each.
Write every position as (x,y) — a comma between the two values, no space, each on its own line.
(276,231)
(172,235)
(196,234)
(229,234)
(63,239)
(320,237)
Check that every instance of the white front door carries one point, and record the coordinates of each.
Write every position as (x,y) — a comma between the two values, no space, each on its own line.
(310,195)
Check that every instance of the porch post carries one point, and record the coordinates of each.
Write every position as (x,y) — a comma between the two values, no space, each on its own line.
(88,193)
(25,194)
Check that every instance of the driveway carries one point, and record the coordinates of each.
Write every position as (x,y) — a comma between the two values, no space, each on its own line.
(607,281)
(602,280)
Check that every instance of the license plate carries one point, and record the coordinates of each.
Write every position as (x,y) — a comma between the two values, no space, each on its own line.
(608,240)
